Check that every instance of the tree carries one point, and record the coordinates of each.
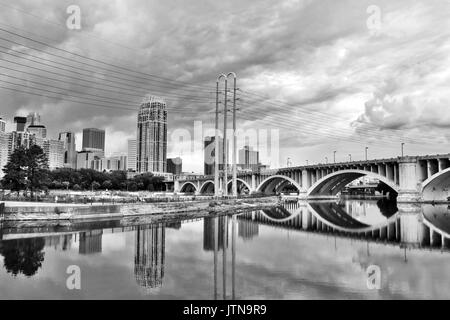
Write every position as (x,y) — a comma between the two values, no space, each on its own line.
(23,255)
(107,184)
(15,177)
(37,167)
(95,185)
(66,184)
(76,187)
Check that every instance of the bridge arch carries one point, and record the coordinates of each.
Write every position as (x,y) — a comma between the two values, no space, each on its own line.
(188,186)
(437,186)
(243,182)
(207,187)
(274,183)
(334,182)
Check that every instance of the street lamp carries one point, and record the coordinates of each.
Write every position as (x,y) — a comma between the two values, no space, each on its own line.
(367,148)
(350,157)
(334,156)
(403,144)
(326,160)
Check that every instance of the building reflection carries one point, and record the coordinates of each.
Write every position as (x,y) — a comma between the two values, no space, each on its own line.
(247,229)
(210,230)
(59,242)
(90,242)
(149,255)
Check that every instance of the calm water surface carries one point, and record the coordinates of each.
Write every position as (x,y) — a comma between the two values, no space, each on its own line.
(290,252)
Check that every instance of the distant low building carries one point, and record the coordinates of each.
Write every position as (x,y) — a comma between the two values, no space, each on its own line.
(175,165)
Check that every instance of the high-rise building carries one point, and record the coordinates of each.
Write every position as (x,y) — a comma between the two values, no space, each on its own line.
(131,165)
(2,125)
(20,138)
(19,123)
(175,165)
(4,151)
(39,130)
(93,139)
(54,150)
(209,155)
(33,119)
(151,142)
(248,158)
(70,153)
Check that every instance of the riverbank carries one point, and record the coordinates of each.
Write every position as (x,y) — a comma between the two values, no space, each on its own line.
(49,211)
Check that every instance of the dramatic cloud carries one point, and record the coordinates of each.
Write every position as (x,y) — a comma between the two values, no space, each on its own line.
(337,79)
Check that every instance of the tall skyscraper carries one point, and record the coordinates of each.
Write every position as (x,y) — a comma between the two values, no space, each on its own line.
(93,139)
(131,165)
(151,142)
(2,125)
(4,151)
(70,153)
(19,123)
(175,165)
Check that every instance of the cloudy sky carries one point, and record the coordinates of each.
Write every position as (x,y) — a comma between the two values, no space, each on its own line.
(316,76)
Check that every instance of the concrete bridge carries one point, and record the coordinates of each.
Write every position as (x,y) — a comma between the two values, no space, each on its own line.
(412,178)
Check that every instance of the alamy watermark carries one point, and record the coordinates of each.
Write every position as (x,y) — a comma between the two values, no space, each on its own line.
(202,141)
(73,22)
(373,273)
(373,22)
(73,281)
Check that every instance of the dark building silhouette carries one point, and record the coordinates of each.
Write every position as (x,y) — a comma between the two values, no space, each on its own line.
(93,139)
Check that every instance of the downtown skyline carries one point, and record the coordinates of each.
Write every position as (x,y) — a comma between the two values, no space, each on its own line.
(334,83)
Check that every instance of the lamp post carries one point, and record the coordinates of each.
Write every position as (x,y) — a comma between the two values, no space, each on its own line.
(334,156)
(350,157)
(367,148)
(403,145)
(326,160)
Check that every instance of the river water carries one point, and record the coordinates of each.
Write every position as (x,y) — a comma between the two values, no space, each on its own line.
(328,250)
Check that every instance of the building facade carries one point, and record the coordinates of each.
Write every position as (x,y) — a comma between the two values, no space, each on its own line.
(93,139)
(248,158)
(175,165)
(151,142)
(40,131)
(209,155)
(20,123)
(131,158)
(70,153)
(4,151)
(2,125)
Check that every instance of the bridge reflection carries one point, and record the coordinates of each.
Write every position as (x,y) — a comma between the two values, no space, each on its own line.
(411,226)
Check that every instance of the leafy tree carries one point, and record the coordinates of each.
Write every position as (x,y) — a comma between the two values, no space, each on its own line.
(66,184)
(15,171)
(95,185)
(76,187)
(107,184)
(37,167)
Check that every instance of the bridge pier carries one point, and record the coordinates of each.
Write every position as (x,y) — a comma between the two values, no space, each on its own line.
(409,191)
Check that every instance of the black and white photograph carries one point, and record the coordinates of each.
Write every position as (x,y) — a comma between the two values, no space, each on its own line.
(224,151)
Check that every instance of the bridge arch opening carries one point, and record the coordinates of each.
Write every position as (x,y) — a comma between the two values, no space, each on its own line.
(437,187)
(334,183)
(207,187)
(278,184)
(242,187)
(188,187)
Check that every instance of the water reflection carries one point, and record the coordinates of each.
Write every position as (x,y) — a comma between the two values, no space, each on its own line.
(246,248)
(23,255)
(149,255)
